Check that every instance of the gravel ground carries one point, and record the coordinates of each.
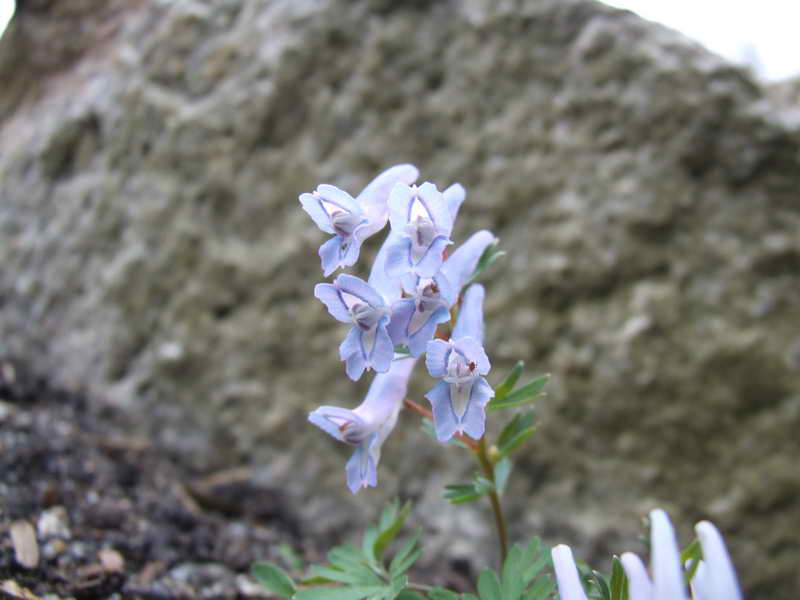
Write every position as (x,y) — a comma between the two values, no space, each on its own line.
(89,512)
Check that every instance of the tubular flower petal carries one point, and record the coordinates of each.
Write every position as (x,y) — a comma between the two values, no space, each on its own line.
(352,220)
(718,578)
(667,575)
(460,265)
(458,401)
(367,344)
(367,426)
(569,583)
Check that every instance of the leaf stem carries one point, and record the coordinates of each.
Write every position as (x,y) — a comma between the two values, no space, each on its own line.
(499,519)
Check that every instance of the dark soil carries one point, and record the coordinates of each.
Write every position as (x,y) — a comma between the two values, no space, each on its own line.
(117,518)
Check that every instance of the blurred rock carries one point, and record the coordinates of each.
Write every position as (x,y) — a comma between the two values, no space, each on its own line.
(154,253)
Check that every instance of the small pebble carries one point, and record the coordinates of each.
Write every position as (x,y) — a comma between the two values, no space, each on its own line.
(54,523)
(26,548)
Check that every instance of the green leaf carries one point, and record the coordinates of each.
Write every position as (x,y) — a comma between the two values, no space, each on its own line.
(519,429)
(391,521)
(692,554)
(442,594)
(339,593)
(541,589)
(512,580)
(274,579)
(524,395)
(409,595)
(489,586)
(502,469)
(362,576)
(346,557)
(510,381)
(405,557)
(401,349)
(460,493)
(618,583)
(368,544)
(487,259)
(602,586)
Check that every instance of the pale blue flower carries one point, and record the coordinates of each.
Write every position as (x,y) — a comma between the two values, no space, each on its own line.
(367,426)
(458,401)
(414,320)
(715,578)
(567,578)
(352,220)
(367,344)
(422,220)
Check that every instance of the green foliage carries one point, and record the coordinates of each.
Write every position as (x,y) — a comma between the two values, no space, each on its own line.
(600,587)
(461,493)
(355,572)
(274,579)
(504,397)
(519,429)
(691,556)
(521,577)
(487,259)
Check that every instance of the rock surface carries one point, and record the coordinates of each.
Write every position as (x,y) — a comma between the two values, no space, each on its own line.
(155,256)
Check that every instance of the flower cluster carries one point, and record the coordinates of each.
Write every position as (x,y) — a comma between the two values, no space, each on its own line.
(395,314)
(715,578)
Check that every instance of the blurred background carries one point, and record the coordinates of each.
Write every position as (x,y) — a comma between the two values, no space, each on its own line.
(160,346)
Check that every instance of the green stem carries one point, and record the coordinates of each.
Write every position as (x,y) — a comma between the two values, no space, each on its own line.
(499,518)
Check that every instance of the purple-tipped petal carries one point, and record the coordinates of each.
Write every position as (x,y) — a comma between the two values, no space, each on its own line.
(398,257)
(665,559)
(355,286)
(331,419)
(418,340)
(433,258)
(329,254)
(719,579)
(311,204)
(361,469)
(333,195)
(639,585)
(388,287)
(460,266)
(436,358)
(472,350)
(569,583)
(444,421)
(329,295)
(470,319)
(402,311)
(453,197)
(382,353)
